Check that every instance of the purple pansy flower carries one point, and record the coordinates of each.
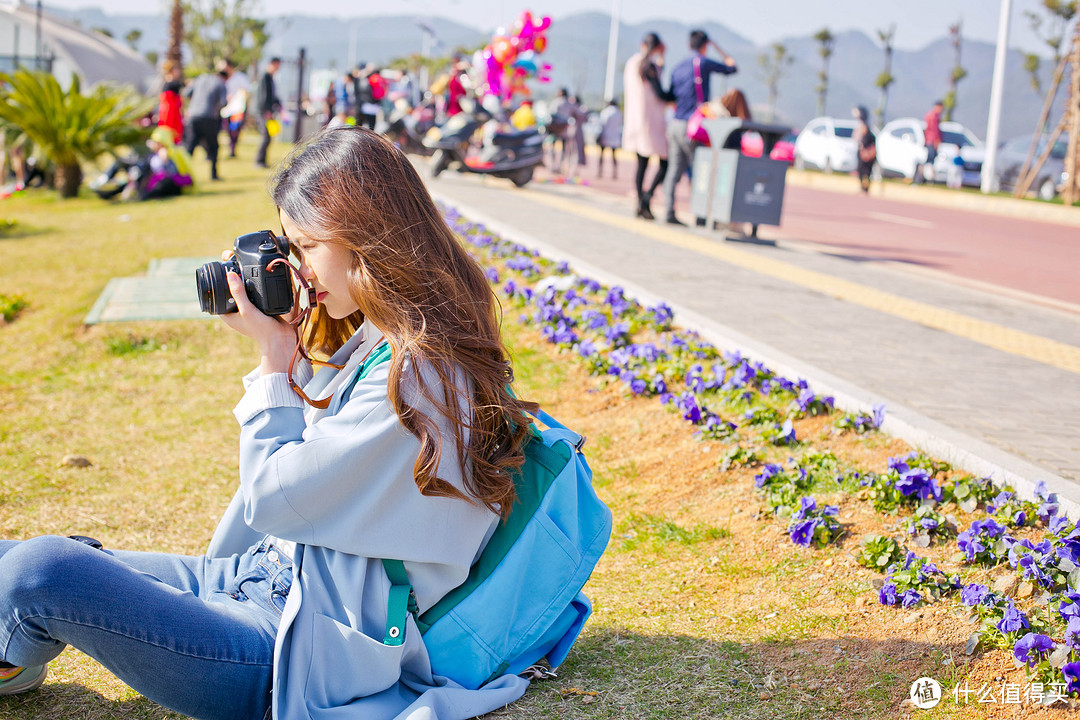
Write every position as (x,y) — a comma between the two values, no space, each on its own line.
(1072,633)
(1031,648)
(1012,620)
(802,532)
(910,598)
(1071,671)
(973,594)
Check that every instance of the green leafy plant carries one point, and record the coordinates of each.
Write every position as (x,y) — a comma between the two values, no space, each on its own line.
(70,128)
(879,552)
(739,456)
(10,306)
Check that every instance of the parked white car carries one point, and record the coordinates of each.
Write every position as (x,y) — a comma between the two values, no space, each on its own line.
(828,144)
(901,149)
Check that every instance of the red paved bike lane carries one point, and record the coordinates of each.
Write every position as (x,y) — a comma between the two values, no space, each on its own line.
(1034,257)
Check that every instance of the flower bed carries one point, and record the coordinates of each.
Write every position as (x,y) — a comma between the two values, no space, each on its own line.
(1033,551)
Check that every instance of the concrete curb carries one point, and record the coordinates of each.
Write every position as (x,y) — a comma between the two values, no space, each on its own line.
(957,448)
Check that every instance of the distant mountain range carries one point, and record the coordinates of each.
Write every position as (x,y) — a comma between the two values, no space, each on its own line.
(577,47)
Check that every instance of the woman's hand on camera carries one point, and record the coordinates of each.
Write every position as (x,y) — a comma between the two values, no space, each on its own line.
(275,337)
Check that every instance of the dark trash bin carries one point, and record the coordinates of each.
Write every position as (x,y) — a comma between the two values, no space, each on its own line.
(729,187)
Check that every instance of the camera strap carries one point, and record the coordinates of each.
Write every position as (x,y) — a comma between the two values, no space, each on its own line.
(296,322)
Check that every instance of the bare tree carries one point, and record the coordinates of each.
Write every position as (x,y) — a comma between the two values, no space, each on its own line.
(958,73)
(825,41)
(885,78)
(1053,31)
(773,64)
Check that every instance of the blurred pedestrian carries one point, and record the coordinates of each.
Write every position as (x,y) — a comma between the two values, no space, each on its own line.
(170,113)
(561,130)
(524,118)
(866,144)
(268,106)
(954,178)
(734,104)
(643,118)
(579,114)
(690,86)
(206,95)
(367,108)
(330,103)
(455,88)
(238,91)
(611,121)
(932,137)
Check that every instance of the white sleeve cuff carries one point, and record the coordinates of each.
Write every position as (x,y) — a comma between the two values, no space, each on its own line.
(265,392)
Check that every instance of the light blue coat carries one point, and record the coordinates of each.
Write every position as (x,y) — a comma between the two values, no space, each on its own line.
(342,489)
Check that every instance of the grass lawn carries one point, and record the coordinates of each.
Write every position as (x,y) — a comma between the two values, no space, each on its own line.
(703,607)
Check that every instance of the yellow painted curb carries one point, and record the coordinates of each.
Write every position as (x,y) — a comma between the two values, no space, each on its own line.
(999,337)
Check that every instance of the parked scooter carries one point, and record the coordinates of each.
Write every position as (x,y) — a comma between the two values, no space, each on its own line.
(407,127)
(512,155)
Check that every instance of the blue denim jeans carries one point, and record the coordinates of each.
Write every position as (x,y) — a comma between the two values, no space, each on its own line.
(191,633)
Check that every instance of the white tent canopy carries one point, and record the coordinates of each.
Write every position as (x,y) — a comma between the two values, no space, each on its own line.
(73,50)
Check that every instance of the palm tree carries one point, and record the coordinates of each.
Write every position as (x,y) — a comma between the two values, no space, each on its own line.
(958,72)
(176,34)
(885,78)
(69,128)
(773,65)
(826,41)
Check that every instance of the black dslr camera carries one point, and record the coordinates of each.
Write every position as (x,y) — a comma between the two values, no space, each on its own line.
(270,290)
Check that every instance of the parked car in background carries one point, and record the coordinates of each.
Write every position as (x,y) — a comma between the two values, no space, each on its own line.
(1010,160)
(828,144)
(901,149)
(783,150)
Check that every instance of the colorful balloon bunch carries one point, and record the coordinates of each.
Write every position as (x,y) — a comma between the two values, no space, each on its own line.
(511,57)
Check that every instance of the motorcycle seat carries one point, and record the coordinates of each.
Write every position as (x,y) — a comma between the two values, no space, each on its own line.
(515,139)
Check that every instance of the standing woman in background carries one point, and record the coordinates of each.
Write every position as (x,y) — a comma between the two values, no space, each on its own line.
(643,117)
(867,147)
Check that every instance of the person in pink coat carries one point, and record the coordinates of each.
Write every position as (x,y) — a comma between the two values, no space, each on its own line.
(643,116)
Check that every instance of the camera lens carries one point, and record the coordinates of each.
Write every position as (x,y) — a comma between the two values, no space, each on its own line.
(213,290)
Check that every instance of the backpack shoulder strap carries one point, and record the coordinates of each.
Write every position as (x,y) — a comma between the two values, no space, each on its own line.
(378,356)
(400,604)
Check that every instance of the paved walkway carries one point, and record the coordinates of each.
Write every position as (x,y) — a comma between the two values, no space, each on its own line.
(997,377)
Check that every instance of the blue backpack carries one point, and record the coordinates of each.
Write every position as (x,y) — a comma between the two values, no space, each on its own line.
(522,600)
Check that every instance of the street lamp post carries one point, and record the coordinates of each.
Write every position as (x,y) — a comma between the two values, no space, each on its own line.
(993,122)
(613,42)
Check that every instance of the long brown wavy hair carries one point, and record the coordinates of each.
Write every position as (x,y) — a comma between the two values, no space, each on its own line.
(414,280)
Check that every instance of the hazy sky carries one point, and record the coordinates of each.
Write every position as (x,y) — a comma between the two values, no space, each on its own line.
(918,22)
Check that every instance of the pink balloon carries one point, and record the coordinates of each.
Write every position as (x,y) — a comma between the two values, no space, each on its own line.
(494,80)
(545,23)
(527,27)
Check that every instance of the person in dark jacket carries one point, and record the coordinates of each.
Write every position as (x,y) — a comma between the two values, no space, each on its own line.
(367,108)
(207,95)
(690,87)
(268,106)
(867,147)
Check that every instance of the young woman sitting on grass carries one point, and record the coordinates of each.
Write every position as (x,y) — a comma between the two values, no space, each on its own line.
(285,614)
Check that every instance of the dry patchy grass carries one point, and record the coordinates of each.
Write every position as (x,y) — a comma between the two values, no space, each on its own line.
(702,607)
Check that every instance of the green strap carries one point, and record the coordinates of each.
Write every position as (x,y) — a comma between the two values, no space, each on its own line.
(400,603)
